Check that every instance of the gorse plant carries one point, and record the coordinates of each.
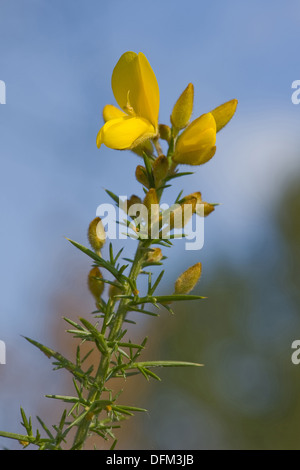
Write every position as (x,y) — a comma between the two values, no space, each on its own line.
(95,407)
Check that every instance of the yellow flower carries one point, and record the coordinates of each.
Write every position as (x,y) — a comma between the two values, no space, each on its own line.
(136,91)
(196,144)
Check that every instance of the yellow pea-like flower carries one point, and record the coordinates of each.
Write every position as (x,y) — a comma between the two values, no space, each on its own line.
(196,144)
(136,91)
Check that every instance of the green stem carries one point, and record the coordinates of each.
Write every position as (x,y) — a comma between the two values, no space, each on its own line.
(171,144)
(122,310)
(102,372)
(157,147)
(94,394)
(105,361)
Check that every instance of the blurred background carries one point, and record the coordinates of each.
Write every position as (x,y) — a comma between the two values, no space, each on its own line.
(56,59)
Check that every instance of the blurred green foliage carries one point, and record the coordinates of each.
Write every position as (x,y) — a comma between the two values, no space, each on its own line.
(248,394)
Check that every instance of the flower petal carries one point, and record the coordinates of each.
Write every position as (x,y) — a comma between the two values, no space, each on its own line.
(195,157)
(196,144)
(111,112)
(135,86)
(199,135)
(224,113)
(201,132)
(150,97)
(125,132)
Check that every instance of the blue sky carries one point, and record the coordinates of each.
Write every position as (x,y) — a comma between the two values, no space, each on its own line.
(56,59)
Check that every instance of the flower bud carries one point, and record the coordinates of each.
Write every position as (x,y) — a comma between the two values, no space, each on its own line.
(187,280)
(89,416)
(194,198)
(196,144)
(150,198)
(180,215)
(160,168)
(95,285)
(164,132)
(24,443)
(154,256)
(183,108)
(224,113)
(96,234)
(144,147)
(152,205)
(133,200)
(141,175)
(208,208)
(114,290)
